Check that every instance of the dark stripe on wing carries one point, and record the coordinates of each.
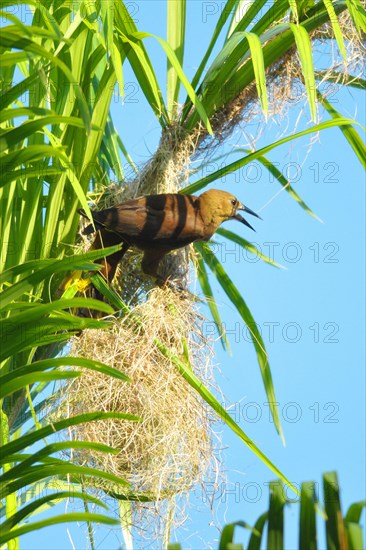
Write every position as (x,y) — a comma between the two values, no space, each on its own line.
(155,214)
(182,216)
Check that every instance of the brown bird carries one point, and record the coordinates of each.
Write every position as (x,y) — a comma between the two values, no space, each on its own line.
(158,224)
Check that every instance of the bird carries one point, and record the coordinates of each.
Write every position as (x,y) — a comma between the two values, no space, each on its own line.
(158,224)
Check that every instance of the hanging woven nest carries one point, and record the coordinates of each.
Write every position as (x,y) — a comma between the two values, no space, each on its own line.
(170,449)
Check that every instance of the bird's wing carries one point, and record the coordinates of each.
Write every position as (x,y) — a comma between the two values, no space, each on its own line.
(182,222)
(141,217)
(170,220)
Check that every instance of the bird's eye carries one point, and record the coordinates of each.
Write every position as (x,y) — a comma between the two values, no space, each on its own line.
(234,202)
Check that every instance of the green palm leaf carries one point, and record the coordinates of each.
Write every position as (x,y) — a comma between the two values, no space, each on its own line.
(203,182)
(234,295)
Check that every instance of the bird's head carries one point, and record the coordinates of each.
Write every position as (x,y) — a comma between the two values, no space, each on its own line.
(219,206)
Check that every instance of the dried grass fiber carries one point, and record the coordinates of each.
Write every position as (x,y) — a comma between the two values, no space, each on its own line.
(170,450)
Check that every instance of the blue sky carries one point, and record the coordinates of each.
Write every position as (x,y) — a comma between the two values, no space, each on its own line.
(311,314)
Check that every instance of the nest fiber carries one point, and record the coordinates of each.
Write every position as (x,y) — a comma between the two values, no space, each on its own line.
(170,450)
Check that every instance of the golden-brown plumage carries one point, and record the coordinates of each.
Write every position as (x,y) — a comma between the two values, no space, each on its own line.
(158,224)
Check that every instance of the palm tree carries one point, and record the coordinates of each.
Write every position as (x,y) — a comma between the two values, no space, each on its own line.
(341,531)
(60,66)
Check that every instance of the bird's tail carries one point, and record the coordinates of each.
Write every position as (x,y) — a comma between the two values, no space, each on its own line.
(82,213)
(89,229)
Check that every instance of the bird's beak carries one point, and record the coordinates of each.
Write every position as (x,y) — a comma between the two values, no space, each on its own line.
(240,218)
